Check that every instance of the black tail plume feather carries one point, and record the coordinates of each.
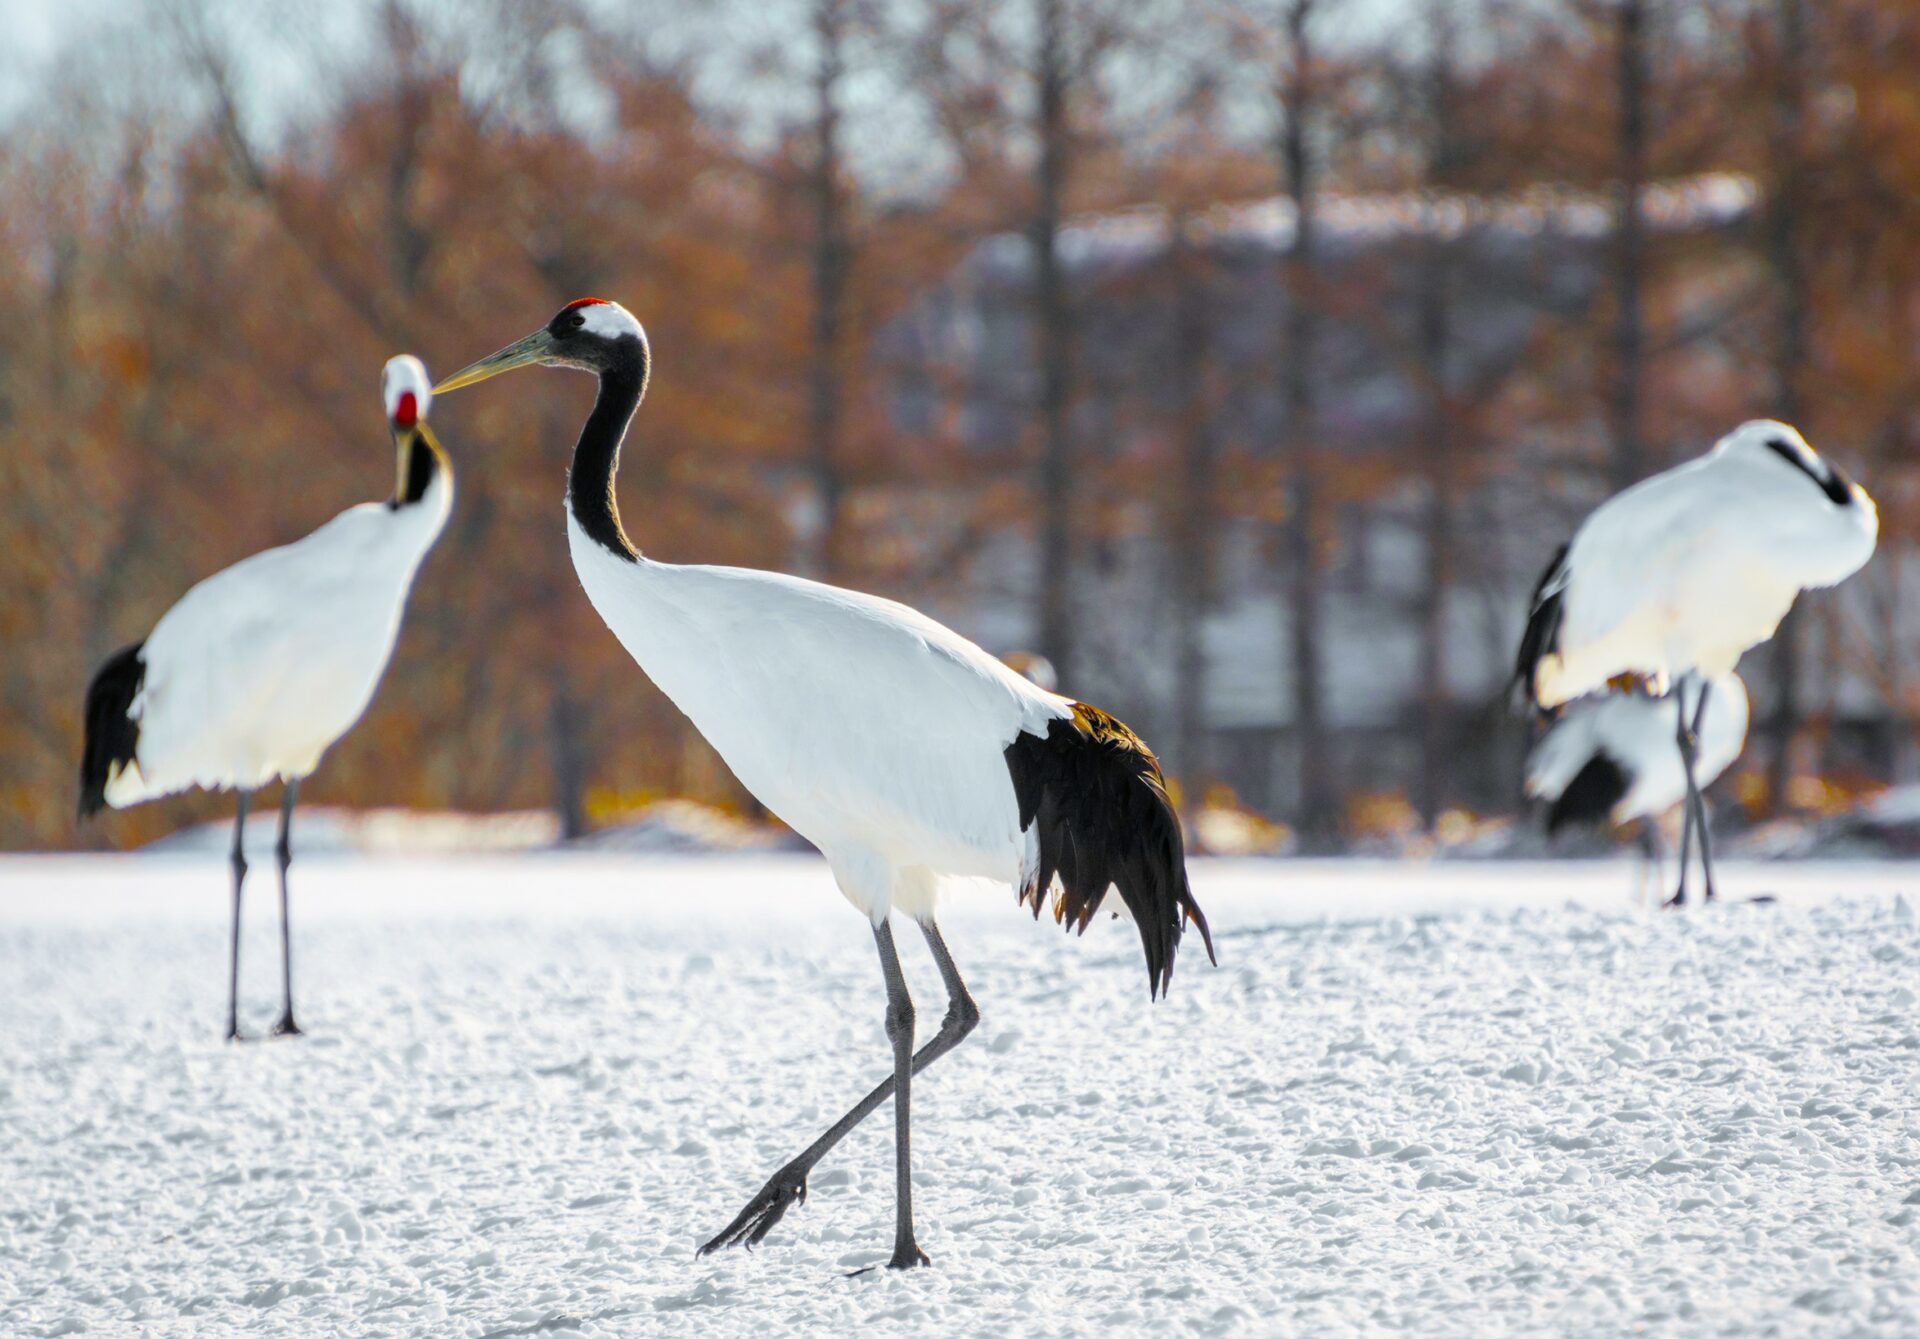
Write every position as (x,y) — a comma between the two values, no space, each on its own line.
(111,735)
(1589,798)
(1543,626)
(1099,800)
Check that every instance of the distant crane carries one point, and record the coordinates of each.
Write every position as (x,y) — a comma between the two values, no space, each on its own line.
(1607,761)
(903,751)
(257,670)
(1672,580)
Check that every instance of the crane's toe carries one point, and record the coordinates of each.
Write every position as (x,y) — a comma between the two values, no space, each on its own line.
(286,1027)
(787,1187)
(909,1256)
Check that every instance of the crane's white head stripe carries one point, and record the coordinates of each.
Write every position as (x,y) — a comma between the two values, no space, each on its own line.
(608,320)
(1769,435)
(1778,444)
(406,376)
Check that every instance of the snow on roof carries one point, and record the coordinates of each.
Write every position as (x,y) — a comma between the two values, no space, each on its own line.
(1712,200)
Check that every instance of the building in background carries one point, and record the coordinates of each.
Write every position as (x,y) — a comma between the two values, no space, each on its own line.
(1520,269)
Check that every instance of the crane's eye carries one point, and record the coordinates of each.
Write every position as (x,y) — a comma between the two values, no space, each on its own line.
(579,319)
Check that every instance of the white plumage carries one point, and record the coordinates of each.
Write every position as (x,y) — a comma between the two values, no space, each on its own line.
(1613,758)
(1671,581)
(260,668)
(1689,569)
(874,732)
(907,754)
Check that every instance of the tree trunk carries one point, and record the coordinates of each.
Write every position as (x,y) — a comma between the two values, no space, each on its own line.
(1194,520)
(1790,354)
(831,261)
(1316,818)
(1629,243)
(1437,455)
(1054,322)
(408,244)
(567,759)
(1434,337)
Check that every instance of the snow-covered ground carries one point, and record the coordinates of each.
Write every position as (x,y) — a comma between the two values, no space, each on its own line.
(1459,1099)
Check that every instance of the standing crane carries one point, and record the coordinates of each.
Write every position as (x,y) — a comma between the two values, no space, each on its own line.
(900,749)
(1671,581)
(1610,760)
(260,668)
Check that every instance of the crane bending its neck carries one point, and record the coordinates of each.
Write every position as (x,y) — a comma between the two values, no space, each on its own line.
(596,456)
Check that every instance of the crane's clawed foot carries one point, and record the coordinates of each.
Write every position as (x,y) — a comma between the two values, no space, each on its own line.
(1677,900)
(286,1027)
(787,1188)
(909,1256)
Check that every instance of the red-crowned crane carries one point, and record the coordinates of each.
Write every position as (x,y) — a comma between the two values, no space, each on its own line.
(255,673)
(1607,761)
(900,749)
(1672,580)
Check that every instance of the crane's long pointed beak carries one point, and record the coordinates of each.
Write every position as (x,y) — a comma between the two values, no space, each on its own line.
(535,348)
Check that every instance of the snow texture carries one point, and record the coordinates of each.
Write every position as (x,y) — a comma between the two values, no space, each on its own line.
(1453,1100)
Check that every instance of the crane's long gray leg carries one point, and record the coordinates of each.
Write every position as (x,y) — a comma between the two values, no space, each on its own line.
(286,1027)
(906,1251)
(963,1015)
(788,1186)
(1685,740)
(1679,899)
(239,862)
(1653,871)
(1700,814)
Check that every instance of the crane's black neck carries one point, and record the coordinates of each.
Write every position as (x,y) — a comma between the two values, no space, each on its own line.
(421,458)
(1833,482)
(596,456)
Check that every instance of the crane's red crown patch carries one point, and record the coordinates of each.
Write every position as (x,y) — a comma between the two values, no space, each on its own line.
(586,302)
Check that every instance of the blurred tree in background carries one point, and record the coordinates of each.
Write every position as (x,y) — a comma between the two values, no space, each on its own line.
(1245,357)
